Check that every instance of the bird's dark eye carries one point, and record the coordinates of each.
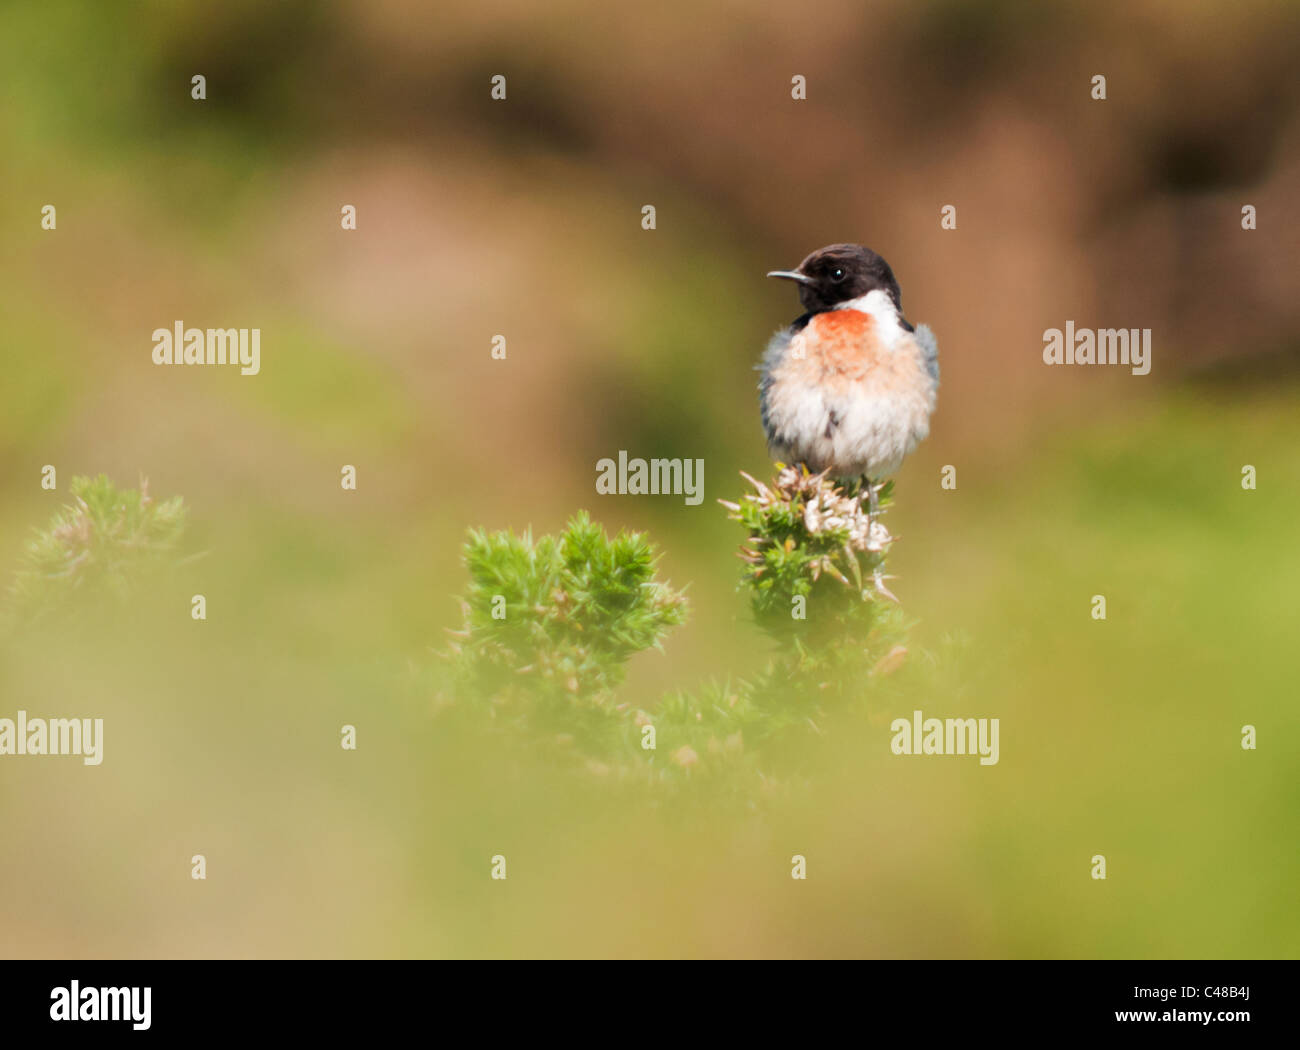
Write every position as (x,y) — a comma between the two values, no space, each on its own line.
(838,274)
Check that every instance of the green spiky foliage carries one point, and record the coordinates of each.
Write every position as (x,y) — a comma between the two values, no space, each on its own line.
(550,623)
(810,539)
(814,567)
(106,540)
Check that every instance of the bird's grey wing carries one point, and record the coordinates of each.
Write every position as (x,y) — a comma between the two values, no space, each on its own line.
(772,356)
(929,350)
(776,348)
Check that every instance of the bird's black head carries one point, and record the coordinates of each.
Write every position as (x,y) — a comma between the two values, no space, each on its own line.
(839,272)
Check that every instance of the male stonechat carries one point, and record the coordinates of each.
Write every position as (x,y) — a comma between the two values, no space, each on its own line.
(848,388)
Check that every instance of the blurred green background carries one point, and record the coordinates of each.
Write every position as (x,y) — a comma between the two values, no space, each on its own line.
(522,218)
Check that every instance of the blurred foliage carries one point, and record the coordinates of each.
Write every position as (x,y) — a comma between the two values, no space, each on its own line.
(107,539)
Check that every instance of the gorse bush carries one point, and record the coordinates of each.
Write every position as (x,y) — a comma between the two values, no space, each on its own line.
(815,558)
(814,555)
(550,623)
(107,540)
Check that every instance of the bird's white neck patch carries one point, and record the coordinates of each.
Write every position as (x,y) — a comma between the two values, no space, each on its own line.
(880,307)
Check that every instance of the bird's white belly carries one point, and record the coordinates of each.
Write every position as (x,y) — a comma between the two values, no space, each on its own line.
(852,433)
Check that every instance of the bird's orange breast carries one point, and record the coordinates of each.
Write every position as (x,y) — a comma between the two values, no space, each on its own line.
(838,342)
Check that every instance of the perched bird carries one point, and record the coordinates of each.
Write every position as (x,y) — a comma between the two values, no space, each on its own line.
(848,388)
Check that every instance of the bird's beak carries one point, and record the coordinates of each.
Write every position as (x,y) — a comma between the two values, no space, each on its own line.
(791,275)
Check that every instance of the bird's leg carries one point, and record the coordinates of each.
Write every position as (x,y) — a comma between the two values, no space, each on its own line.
(872,499)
